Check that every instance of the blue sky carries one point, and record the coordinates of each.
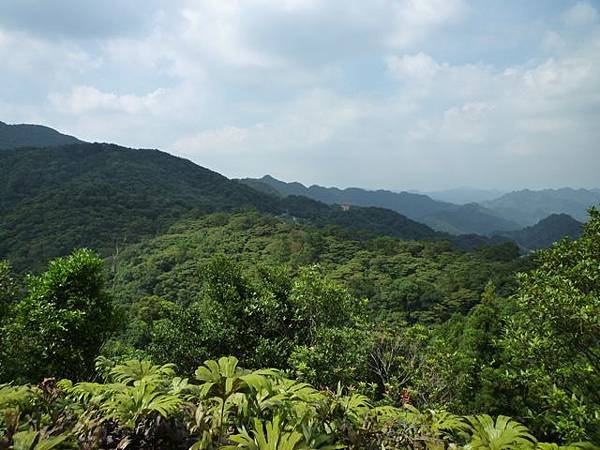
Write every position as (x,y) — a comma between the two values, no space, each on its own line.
(399,94)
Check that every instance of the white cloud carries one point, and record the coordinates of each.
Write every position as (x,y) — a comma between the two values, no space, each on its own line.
(419,66)
(414,19)
(23,54)
(404,90)
(580,14)
(86,99)
(561,77)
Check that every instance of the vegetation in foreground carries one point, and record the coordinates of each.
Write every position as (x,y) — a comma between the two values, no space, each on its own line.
(140,405)
(379,382)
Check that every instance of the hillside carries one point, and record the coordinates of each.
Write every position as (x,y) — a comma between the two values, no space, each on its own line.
(428,281)
(528,207)
(406,203)
(24,135)
(441,216)
(462,196)
(104,196)
(547,231)
(469,218)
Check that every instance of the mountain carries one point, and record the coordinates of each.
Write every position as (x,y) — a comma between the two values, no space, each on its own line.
(169,265)
(406,203)
(441,216)
(528,207)
(462,196)
(13,136)
(469,218)
(103,195)
(546,232)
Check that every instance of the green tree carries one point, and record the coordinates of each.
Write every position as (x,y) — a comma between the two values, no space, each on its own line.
(8,288)
(554,337)
(60,325)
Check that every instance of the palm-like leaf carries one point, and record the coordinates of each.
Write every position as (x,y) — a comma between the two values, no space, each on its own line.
(267,436)
(573,446)
(133,404)
(135,371)
(34,440)
(503,434)
(16,395)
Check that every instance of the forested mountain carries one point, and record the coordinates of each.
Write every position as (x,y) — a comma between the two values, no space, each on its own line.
(547,231)
(410,341)
(441,216)
(528,207)
(418,280)
(462,196)
(24,135)
(104,196)
(507,213)
(406,203)
(469,218)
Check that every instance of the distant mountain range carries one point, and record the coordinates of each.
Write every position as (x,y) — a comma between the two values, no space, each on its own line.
(103,196)
(14,136)
(462,196)
(58,193)
(545,232)
(528,207)
(441,216)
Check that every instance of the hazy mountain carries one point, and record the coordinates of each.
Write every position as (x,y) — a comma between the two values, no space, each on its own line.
(441,216)
(102,195)
(406,203)
(546,232)
(13,136)
(529,207)
(469,218)
(462,196)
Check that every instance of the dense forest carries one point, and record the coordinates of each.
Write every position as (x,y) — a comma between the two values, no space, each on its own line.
(101,195)
(510,213)
(26,135)
(105,196)
(370,343)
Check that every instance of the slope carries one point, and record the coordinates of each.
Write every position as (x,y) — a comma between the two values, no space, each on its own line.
(102,196)
(24,135)
(546,232)
(528,207)
(441,216)
(469,218)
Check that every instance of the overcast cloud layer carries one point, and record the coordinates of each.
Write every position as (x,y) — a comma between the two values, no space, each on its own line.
(401,94)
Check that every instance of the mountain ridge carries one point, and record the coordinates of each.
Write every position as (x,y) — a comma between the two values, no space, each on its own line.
(57,198)
(528,207)
(547,231)
(30,135)
(442,216)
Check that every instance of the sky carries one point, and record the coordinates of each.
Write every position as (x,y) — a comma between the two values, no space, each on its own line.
(396,94)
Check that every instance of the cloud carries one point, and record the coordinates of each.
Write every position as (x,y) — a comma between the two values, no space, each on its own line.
(86,99)
(414,19)
(419,66)
(387,93)
(78,19)
(580,14)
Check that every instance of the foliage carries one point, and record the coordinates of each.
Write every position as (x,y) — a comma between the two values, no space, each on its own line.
(553,339)
(421,281)
(141,405)
(101,196)
(62,322)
